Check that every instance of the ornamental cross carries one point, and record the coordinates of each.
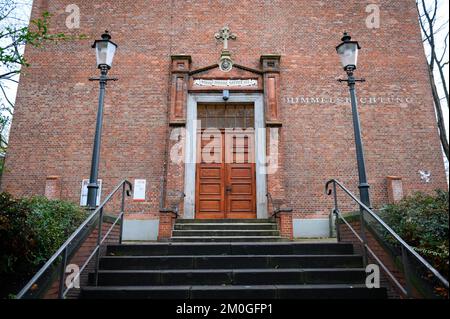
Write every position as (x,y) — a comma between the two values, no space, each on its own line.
(224,35)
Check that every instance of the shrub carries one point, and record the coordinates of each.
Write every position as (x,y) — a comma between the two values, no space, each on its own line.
(53,221)
(31,230)
(17,237)
(423,222)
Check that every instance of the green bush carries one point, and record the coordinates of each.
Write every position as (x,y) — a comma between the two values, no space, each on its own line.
(423,222)
(53,221)
(32,229)
(17,238)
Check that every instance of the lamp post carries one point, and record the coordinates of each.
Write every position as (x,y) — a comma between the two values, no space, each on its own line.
(105,50)
(348,52)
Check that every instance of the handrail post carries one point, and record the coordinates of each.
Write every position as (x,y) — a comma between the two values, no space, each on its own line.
(407,273)
(335,196)
(99,238)
(336,225)
(363,235)
(62,274)
(335,212)
(122,212)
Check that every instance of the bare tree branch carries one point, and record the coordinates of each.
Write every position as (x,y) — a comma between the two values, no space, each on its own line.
(6,96)
(444,51)
(427,21)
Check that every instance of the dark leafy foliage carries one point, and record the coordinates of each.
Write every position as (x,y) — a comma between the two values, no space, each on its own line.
(422,220)
(32,229)
(17,237)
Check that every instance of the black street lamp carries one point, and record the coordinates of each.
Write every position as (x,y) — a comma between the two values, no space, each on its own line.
(348,52)
(105,50)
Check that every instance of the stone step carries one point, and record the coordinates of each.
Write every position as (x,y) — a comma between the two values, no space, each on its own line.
(225,233)
(221,221)
(342,291)
(275,248)
(227,239)
(225,226)
(233,262)
(229,277)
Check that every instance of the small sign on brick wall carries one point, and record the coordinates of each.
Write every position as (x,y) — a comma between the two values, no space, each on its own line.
(84,192)
(395,189)
(53,187)
(139,189)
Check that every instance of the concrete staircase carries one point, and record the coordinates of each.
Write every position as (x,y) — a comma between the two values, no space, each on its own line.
(226,230)
(232,270)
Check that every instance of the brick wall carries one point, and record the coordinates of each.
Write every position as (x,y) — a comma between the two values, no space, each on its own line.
(285,225)
(166,222)
(54,121)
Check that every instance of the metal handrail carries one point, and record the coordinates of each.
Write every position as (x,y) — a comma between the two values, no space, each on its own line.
(277,208)
(175,209)
(64,247)
(404,245)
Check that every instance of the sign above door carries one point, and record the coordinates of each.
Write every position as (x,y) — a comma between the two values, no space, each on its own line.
(226,82)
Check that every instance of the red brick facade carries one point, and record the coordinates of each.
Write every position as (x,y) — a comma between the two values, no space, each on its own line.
(285,225)
(53,126)
(166,221)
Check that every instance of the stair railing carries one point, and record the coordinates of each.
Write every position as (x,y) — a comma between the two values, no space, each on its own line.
(407,291)
(63,253)
(276,207)
(175,205)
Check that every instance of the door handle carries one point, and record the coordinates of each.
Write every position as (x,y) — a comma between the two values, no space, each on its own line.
(228,189)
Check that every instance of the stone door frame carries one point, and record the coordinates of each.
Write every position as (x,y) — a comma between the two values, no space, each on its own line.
(191,146)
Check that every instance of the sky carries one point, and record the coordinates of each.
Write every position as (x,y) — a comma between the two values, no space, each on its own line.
(21,15)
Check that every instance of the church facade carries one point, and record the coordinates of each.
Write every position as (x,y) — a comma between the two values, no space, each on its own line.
(226,109)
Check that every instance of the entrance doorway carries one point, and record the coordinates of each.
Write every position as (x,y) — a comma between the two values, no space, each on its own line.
(225,173)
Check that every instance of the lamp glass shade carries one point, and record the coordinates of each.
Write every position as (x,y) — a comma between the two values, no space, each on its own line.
(348,52)
(105,50)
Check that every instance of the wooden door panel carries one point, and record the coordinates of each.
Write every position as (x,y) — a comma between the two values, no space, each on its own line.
(240,205)
(210,188)
(236,172)
(210,205)
(210,191)
(210,172)
(240,197)
(242,188)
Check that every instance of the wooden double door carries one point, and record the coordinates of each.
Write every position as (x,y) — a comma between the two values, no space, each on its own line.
(226,176)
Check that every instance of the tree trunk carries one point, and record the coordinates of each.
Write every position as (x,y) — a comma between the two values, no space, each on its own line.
(439,114)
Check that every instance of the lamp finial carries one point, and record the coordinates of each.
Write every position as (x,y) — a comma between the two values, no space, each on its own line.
(106,35)
(346,37)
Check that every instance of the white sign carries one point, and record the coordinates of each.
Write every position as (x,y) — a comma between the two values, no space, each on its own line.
(226,83)
(139,189)
(84,192)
